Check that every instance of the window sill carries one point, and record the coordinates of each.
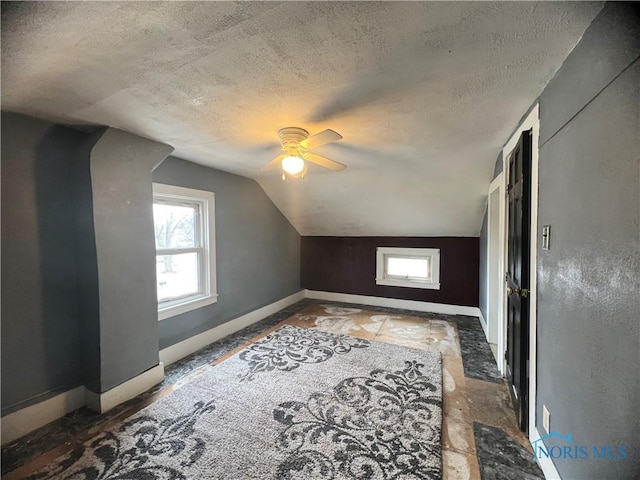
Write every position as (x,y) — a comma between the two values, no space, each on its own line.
(186,306)
(407,284)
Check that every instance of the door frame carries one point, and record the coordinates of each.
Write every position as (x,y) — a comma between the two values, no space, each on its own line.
(496,266)
(530,122)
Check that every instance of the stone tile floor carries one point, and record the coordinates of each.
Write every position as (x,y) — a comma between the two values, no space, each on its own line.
(480,438)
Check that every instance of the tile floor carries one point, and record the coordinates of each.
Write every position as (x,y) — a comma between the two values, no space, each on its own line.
(480,435)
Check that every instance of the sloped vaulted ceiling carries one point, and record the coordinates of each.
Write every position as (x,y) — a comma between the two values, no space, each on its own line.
(424,93)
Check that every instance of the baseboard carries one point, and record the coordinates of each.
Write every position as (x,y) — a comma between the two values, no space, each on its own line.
(180,350)
(546,464)
(103,402)
(483,322)
(28,419)
(20,423)
(394,303)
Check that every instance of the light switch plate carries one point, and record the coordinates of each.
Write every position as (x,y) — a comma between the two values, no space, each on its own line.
(546,237)
(546,418)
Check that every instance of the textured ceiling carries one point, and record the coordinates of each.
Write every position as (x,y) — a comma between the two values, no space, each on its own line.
(425,94)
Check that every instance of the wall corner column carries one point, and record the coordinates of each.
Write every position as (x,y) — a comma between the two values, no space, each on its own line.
(120,320)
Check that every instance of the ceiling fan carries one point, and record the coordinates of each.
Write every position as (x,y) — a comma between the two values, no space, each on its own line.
(296,143)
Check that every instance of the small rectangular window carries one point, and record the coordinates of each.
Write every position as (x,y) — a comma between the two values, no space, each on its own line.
(408,267)
(185,251)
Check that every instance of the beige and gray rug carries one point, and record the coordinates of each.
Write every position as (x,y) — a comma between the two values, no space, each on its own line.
(298,404)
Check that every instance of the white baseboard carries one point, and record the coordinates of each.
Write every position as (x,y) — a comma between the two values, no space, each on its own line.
(483,322)
(103,402)
(393,303)
(180,350)
(28,419)
(546,464)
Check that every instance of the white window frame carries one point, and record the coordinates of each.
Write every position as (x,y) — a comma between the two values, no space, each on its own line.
(431,254)
(207,267)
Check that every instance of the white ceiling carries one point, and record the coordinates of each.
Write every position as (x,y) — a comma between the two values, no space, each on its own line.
(425,94)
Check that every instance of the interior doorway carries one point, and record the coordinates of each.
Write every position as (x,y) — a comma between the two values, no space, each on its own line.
(495,268)
(530,123)
(517,275)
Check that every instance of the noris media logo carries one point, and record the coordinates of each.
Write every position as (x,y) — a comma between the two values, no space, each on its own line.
(556,445)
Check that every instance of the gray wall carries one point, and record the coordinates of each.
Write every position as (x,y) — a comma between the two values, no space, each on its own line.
(120,169)
(484,237)
(589,282)
(257,249)
(40,333)
(78,298)
(87,265)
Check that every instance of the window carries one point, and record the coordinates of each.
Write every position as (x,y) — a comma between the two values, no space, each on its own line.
(185,249)
(408,267)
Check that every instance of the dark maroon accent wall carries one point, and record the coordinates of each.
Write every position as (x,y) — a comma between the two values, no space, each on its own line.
(348,265)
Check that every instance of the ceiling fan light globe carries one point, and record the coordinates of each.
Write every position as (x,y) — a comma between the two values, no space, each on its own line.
(292,165)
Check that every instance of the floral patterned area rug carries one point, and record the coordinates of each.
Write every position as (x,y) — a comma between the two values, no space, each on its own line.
(298,404)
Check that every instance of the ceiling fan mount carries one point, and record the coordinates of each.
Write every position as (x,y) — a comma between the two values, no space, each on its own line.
(297,145)
(292,136)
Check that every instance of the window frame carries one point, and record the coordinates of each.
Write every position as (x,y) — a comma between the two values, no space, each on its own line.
(430,254)
(207,294)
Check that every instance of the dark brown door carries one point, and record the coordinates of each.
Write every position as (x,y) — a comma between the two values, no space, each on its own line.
(517,278)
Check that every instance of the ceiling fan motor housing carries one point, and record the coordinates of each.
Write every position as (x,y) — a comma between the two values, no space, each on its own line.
(290,137)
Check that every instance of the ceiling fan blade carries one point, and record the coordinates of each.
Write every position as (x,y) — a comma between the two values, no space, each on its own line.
(324,162)
(322,138)
(274,163)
